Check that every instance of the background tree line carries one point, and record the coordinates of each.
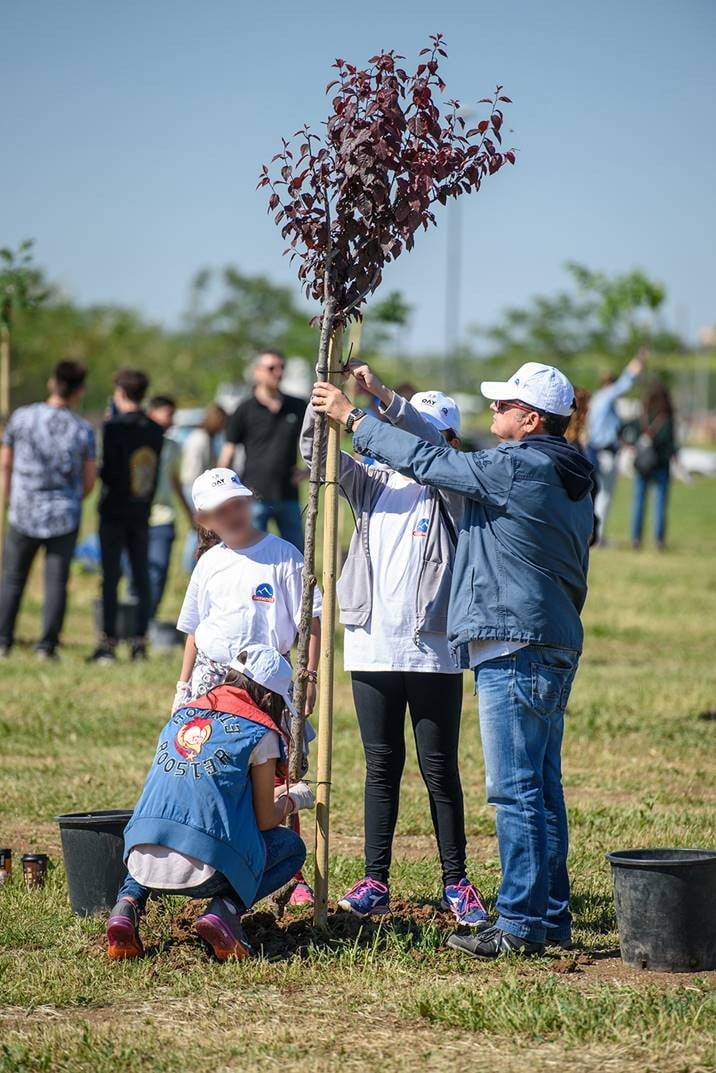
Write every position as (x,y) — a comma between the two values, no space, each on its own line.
(597,321)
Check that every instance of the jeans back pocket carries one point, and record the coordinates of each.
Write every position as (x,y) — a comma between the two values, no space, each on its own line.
(551,687)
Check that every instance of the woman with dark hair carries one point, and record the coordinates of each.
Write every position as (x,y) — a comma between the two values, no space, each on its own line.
(655,447)
(576,434)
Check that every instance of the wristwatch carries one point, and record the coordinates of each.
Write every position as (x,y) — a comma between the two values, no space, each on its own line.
(353,416)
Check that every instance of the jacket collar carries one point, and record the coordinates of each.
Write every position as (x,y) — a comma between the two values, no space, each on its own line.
(237,702)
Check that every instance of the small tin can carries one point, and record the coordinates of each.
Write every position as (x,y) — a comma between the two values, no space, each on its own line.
(5,865)
(34,868)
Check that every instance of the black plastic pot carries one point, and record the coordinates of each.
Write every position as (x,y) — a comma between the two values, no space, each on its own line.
(126,623)
(165,635)
(666,908)
(93,848)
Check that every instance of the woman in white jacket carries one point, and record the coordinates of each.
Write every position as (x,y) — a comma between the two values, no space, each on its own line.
(393,595)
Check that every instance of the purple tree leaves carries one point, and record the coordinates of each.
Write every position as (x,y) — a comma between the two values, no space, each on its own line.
(352,200)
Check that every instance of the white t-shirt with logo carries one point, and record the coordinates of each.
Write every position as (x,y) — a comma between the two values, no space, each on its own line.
(167,869)
(397,532)
(245,596)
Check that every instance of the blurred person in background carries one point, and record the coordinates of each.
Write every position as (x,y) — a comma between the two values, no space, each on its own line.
(131,448)
(200,453)
(201,450)
(268,426)
(604,434)
(162,519)
(47,466)
(655,447)
(576,434)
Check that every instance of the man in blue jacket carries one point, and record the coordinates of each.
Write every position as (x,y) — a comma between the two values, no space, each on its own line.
(519,585)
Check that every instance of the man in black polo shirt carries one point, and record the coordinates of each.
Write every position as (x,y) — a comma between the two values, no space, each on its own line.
(268,425)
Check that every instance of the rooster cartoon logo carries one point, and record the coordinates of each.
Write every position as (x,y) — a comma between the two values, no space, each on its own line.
(191,737)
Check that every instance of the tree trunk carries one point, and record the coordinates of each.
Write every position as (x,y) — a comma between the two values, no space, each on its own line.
(296,743)
(324,742)
(295,759)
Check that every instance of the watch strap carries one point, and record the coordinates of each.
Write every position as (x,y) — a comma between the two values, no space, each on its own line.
(355,415)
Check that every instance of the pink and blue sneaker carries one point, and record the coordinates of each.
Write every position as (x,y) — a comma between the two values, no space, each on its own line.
(466,904)
(368,898)
(301,895)
(123,931)
(220,927)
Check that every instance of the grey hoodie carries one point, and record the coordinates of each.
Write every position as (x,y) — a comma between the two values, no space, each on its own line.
(362,485)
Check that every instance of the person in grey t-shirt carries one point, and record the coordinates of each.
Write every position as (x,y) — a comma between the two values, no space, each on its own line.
(47,466)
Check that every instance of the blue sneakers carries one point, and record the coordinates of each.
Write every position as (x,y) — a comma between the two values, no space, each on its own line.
(465,903)
(367,898)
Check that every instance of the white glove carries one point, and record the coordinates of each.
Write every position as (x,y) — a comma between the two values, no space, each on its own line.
(301,795)
(182,696)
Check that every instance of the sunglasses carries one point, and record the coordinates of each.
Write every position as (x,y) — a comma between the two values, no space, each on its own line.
(502,405)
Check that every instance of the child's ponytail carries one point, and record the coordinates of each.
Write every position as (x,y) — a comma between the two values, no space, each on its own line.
(207,539)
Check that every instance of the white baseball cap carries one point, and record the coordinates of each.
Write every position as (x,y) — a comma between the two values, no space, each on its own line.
(267,667)
(541,386)
(440,409)
(215,486)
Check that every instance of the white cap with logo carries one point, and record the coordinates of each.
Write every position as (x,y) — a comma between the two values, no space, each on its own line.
(216,486)
(440,409)
(541,386)
(267,667)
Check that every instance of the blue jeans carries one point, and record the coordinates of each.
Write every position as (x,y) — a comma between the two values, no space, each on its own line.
(159,550)
(285,854)
(660,479)
(161,541)
(522,699)
(287,515)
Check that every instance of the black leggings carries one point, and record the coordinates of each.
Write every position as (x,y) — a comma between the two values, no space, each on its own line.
(435,703)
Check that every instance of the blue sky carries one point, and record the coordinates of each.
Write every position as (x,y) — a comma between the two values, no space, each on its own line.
(132,132)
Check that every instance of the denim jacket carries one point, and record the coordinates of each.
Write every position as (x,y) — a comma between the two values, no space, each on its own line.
(362,485)
(520,571)
(197,798)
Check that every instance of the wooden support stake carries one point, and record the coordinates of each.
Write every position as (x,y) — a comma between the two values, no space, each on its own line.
(327,661)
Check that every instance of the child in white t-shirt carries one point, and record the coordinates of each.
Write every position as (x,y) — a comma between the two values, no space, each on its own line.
(245,589)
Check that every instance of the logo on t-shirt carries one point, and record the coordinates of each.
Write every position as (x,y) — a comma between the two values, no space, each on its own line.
(190,738)
(421,529)
(263,594)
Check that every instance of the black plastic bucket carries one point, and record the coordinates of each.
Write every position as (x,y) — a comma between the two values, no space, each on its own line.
(666,908)
(126,623)
(165,635)
(93,848)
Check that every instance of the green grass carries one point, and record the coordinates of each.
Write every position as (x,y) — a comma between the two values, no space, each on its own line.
(638,772)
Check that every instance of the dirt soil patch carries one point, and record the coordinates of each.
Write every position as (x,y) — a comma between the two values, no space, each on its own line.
(294,934)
